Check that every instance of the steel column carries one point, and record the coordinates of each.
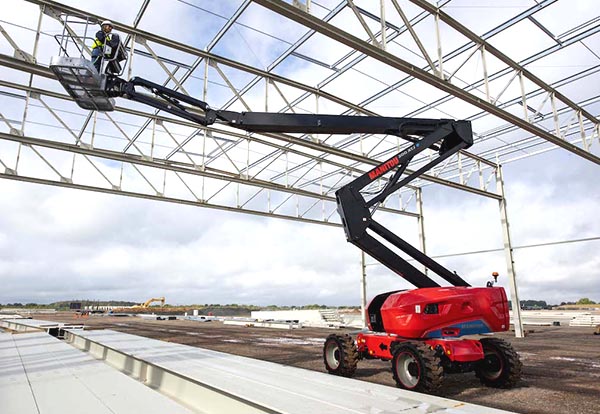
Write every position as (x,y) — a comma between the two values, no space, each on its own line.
(508,252)
(363,288)
(421,224)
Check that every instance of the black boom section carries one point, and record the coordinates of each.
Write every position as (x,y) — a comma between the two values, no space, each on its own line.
(173,102)
(442,135)
(450,137)
(327,124)
(425,260)
(391,260)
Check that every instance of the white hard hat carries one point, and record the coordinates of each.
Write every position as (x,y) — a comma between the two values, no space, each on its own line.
(108,22)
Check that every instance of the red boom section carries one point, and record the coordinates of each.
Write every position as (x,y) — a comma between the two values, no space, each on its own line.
(442,312)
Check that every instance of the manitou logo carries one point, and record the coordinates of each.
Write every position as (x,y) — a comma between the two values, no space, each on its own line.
(388,165)
(383,168)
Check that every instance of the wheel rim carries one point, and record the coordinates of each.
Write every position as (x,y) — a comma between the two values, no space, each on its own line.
(332,355)
(408,370)
(492,365)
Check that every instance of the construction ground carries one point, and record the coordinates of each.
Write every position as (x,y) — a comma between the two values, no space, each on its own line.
(561,364)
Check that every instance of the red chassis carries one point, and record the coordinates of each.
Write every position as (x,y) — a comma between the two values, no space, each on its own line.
(429,332)
(379,345)
(439,316)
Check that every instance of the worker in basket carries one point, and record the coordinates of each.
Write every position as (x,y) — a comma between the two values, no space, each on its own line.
(106,45)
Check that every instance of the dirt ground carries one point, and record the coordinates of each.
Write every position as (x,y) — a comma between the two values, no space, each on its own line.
(561,364)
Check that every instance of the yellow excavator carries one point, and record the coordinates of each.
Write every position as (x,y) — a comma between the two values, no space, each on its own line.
(149,302)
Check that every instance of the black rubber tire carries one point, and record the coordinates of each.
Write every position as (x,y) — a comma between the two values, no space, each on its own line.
(501,366)
(416,367)
(340,355)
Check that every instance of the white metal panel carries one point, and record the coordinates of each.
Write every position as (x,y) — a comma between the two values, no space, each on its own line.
(15,393)
(39,323)
(62,379)
(34,325)
(272,386)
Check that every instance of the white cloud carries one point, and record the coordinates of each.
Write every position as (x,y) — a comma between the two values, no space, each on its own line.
(60,244)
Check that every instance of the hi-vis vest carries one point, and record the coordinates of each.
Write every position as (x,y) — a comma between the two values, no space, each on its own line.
(98,43)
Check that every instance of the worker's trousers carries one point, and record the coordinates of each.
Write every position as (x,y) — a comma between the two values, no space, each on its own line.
(97,58)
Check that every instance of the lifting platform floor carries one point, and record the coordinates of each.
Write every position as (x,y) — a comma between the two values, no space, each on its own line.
(40,374)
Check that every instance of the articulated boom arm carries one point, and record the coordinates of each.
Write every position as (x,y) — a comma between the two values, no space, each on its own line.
(356,212)
(173,102)
(445,136)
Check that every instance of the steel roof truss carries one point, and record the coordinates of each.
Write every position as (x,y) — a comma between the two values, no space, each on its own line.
(358,44)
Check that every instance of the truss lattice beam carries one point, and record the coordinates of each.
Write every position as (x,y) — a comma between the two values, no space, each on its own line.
(214,59)
(201,53)
(289,139)
(294,202)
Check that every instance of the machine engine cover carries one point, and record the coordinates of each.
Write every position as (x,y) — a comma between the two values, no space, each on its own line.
(440,312)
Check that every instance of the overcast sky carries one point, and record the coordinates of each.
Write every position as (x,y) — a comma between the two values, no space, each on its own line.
(61,244)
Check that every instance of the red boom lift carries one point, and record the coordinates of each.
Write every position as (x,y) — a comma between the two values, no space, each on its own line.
(426,332)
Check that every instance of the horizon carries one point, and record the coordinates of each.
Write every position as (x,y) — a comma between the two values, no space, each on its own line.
(101,302)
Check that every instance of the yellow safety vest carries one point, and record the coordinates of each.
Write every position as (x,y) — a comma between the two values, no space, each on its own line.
(98,43)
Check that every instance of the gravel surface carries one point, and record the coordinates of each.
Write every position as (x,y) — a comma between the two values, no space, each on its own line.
(561,364)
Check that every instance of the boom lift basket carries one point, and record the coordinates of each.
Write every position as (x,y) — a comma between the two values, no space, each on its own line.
(81,80)
(76,72)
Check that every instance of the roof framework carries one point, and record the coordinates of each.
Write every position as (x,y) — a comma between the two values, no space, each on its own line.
(444,59)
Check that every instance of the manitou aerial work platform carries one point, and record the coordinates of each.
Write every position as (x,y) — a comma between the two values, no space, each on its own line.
(422,331)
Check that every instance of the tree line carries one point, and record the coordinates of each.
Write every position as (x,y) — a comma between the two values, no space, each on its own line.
(65,305)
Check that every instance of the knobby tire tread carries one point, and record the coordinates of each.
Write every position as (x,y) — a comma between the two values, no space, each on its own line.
(433,377)
(512,363)
(349,355)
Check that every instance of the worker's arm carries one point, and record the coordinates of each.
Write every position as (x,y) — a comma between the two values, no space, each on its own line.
(100,37)
(114,40)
